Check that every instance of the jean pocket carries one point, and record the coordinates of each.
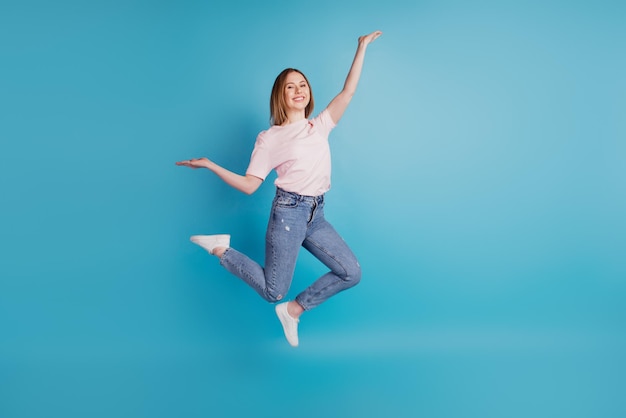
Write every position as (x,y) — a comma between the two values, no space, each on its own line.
(285,201)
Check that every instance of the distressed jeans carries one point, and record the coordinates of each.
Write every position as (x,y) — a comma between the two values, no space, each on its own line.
(296,221)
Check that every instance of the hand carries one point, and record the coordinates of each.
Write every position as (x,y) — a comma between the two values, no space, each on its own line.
(195,163)
(367,39)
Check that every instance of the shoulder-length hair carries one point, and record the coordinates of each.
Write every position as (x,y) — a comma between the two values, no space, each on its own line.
(278,111)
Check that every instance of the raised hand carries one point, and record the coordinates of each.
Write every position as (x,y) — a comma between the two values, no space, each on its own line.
(338,105)
(367,39)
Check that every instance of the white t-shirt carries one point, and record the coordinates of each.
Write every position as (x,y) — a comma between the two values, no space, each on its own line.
(300,154)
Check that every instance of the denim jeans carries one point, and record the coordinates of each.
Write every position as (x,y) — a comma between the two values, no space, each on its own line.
(296,221)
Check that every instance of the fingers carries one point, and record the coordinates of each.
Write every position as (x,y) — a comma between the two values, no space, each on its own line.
(370,37)
(195,163)
(374,35)
(188,163)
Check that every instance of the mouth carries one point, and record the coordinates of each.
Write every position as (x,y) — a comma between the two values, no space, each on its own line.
(299,99)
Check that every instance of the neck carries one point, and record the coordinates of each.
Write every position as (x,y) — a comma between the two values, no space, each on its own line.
(294,116)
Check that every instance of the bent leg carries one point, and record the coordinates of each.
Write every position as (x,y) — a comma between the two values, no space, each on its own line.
(246,269)
(285,232)
(328,246)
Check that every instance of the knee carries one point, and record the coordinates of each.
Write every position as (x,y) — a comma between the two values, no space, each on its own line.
(274,296)
(353,274)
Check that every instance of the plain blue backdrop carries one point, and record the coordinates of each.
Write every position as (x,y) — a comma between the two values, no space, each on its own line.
(478,175)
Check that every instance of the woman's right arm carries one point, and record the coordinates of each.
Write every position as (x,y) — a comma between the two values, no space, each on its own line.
(247,184)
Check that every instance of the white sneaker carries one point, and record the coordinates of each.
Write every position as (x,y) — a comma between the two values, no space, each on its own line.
(210,242)
(289,323)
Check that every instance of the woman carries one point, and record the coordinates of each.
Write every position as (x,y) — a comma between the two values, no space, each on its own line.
(297,148)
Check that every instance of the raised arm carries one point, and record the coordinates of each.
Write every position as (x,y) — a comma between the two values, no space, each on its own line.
(247,184)
(339,104)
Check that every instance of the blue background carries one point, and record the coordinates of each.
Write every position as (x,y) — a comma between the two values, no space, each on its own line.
(478,175)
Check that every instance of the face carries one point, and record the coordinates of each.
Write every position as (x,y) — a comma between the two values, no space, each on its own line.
(297,94)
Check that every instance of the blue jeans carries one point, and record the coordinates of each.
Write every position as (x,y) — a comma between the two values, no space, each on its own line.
(296,221)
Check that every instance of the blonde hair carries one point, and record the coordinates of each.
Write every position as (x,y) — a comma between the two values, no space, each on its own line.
(278,113)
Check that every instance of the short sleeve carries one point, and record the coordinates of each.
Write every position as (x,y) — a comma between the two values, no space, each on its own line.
(260,161)
(323,122)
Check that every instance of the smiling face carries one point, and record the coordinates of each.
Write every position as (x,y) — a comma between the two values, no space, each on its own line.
(291,94)
(296,93)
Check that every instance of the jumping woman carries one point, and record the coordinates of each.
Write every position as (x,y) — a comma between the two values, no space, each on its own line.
(297,148)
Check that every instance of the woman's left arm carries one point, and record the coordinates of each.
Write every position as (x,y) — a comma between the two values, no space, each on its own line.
(339,104)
